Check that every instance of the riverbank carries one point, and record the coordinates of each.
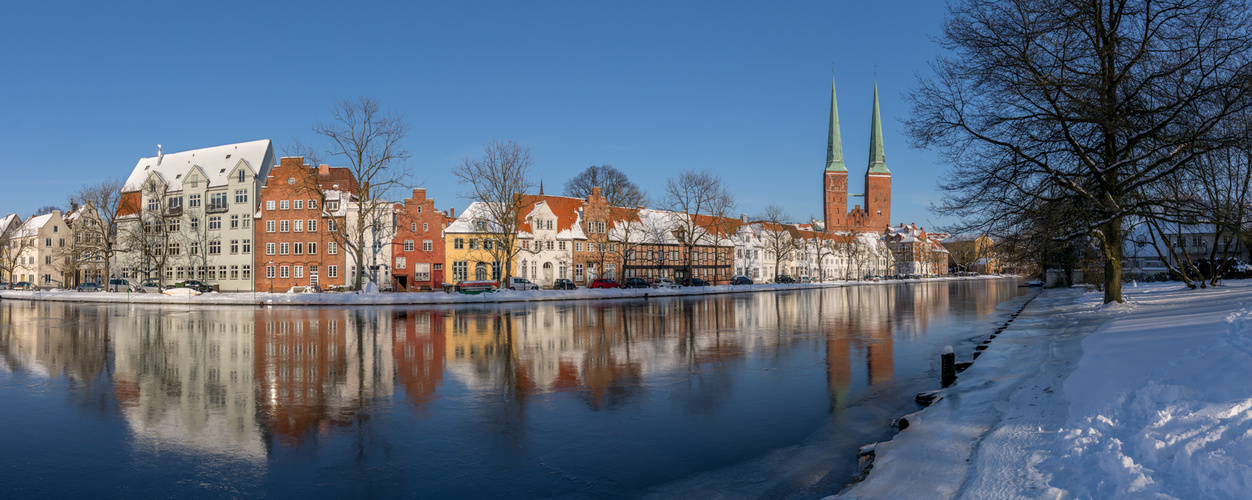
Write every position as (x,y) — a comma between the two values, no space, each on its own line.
(427,298)
(1148,398)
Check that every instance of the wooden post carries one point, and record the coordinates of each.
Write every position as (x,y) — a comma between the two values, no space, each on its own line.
(947,360)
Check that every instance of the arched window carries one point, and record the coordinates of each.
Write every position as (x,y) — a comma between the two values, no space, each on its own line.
(480,271)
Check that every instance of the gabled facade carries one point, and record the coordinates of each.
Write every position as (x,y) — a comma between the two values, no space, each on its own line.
(547,233)
(418,248)
(914,253)
(85,256)
(41,245)
(295,242)
(9,246)
(189,215)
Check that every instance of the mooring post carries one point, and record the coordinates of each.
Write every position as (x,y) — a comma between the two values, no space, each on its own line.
(947,360)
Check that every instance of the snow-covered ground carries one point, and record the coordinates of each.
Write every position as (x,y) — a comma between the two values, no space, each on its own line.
(407,298)
(1147,399)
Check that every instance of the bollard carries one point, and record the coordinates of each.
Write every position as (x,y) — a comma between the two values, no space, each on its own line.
(947,360)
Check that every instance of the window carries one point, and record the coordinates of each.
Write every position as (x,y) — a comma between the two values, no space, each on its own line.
(299,271)
(297,226)
(284,248)
(425,227)
(243,176)
(408,245)
(561,245)
(174,203)
(549,245)
(332,247)
(401,262)
(269,226)
(332,271)
(234,222)
(578,272)
(297,248)
(234,247)
(269,205)
(458,243)
(193,200)
(330,225)
(217,201)
(427,246)
(247,246)
(284,226)
(312,226)
(600,227)
(413,226)
(419,209)
(332,206)
(578,246)
(215,247)
(284,205)
(269,272)
(247,272)
(421,272)
(215,222)
(473,244)
(299,204)
(173,224)
(284,272)
(488,244)
(312,204)
(153,204)
(460,270)
(269,249)
(312,248)
(241,195)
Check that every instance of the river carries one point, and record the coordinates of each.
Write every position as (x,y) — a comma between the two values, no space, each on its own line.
(742,395)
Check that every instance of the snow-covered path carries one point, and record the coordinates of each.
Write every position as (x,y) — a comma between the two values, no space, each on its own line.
(1147,399)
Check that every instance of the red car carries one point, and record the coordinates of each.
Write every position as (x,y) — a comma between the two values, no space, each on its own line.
(603,283)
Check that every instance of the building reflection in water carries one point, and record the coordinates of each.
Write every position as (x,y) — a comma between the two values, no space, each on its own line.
(238,381)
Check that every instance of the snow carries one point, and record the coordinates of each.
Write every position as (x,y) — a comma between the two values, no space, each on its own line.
(410,298)
(1077,399)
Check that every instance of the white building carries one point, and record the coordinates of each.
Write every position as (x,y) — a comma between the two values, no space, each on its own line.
(188,215)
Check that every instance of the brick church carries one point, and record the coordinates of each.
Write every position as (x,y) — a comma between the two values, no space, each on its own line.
(875,214)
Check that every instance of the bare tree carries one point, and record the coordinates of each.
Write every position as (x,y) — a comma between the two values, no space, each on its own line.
(145,239)
(776,235)
(370,140)
(1090,102)
(498,180)
(98,236)
(616,188)
(694,193)
(10,247)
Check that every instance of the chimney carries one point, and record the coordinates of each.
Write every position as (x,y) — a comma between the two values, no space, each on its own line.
(452,212)
(744,218)
(159,155)
(323,170)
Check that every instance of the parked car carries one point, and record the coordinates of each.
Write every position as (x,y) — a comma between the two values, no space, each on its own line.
(636,283)
(564,284)
(4,285)
(603,283)
(782,278)
(124,285)
(151,286)
(694,282)
(516,283)
(475,287)
(664,283)
(89,286)
(25,285)
(741,280)
(196,285)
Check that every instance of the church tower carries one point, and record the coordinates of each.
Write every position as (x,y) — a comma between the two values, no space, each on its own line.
(835,177)
(877,178)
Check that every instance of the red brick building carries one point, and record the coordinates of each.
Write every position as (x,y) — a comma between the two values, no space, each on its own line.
(417,251)
(301,208)
(875,214)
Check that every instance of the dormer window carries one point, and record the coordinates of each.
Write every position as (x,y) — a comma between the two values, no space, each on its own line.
(243,174)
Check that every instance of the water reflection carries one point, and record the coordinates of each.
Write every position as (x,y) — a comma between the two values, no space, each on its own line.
(477,391)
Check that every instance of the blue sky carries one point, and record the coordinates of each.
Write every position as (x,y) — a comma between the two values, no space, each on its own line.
(652,88)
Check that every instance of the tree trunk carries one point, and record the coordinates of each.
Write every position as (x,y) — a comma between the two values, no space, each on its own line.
(1112,245)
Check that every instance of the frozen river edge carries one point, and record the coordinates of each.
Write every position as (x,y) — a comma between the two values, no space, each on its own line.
(1080,399)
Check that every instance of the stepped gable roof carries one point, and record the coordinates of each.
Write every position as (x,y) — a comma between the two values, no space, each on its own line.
(216,163)
(342,176)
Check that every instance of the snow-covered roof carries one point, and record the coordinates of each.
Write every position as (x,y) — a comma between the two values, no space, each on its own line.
(215,164)
(33,225)
(477,211)
(9,221)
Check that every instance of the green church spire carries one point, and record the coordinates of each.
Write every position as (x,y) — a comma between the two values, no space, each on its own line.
(877,156)
(834,145)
